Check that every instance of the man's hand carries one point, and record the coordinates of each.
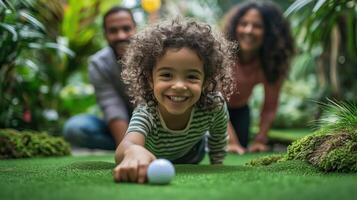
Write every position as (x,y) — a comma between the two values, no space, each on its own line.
(133,168)
(236,148)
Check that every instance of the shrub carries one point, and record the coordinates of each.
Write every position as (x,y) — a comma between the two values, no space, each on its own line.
(27,144)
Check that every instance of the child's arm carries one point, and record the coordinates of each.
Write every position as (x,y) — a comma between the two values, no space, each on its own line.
(132,159)
(217,140)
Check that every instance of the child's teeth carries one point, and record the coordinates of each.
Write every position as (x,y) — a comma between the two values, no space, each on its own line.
(177,98)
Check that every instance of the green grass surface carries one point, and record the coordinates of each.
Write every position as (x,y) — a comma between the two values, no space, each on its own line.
(89,177)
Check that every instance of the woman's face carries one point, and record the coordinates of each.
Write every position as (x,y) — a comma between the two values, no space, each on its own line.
(250,31)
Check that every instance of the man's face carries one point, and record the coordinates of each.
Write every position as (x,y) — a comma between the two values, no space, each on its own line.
(119,28)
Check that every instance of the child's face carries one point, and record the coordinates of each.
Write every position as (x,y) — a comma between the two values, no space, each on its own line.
(250,31)
(178,78)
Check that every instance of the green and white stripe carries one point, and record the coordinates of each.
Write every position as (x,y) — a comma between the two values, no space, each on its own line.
(169,144)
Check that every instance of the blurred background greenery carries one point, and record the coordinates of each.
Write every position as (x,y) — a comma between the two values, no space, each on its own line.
(45,45)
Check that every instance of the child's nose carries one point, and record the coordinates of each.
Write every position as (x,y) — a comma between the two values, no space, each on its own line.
(179,84)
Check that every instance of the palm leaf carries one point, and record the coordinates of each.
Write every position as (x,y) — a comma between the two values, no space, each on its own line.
(10,29)
(32,20)
(296,6)
(60,47)
(318,5)
(7,5)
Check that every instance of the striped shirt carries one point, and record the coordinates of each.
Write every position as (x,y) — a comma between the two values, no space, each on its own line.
(173,144)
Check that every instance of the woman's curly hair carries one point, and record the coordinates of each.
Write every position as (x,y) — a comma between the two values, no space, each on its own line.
(278,44)
(151,44)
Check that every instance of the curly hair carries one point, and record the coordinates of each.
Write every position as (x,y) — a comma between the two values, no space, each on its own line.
(151,44)
(278,44)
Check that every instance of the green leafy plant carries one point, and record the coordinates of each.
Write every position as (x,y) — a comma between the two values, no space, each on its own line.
(27,90)
(81,29)
(44,44)
(327,29)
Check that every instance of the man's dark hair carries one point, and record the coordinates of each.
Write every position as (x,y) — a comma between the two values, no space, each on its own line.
(117,9)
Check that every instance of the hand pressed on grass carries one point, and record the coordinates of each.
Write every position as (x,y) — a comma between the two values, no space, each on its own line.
(133,167)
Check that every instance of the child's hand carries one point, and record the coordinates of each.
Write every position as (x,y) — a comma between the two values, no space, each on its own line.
(133,167)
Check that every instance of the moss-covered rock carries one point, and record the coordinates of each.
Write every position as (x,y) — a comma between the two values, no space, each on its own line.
(327,151)
(26,144)
(333,148)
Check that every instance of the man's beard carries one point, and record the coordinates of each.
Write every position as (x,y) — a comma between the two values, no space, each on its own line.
(119,47)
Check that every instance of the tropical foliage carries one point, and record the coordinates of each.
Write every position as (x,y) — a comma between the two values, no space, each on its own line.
(45,46)
(28,85)
(328,29)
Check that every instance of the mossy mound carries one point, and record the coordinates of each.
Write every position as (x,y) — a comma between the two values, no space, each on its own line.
(333,148)
(327,151)
(26,144)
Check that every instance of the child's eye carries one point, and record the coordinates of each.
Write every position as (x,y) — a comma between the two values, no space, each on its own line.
(193,77)
(165,75)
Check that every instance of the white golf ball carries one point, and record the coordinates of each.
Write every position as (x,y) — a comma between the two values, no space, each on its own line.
(160,171)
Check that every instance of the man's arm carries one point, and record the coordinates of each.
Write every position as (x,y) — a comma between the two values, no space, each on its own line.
(112,105)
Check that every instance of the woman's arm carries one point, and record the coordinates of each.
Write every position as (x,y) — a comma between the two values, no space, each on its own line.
(267,115)
(234,145)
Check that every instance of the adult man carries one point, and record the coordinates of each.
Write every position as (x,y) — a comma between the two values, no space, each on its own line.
(104,72)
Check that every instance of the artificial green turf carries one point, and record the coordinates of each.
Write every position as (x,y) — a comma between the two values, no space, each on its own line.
(89,177)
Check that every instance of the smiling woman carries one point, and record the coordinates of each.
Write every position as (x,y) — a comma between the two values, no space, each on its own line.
(266,47)
(250,32)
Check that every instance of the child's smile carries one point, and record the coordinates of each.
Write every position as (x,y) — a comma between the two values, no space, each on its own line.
(178,78)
